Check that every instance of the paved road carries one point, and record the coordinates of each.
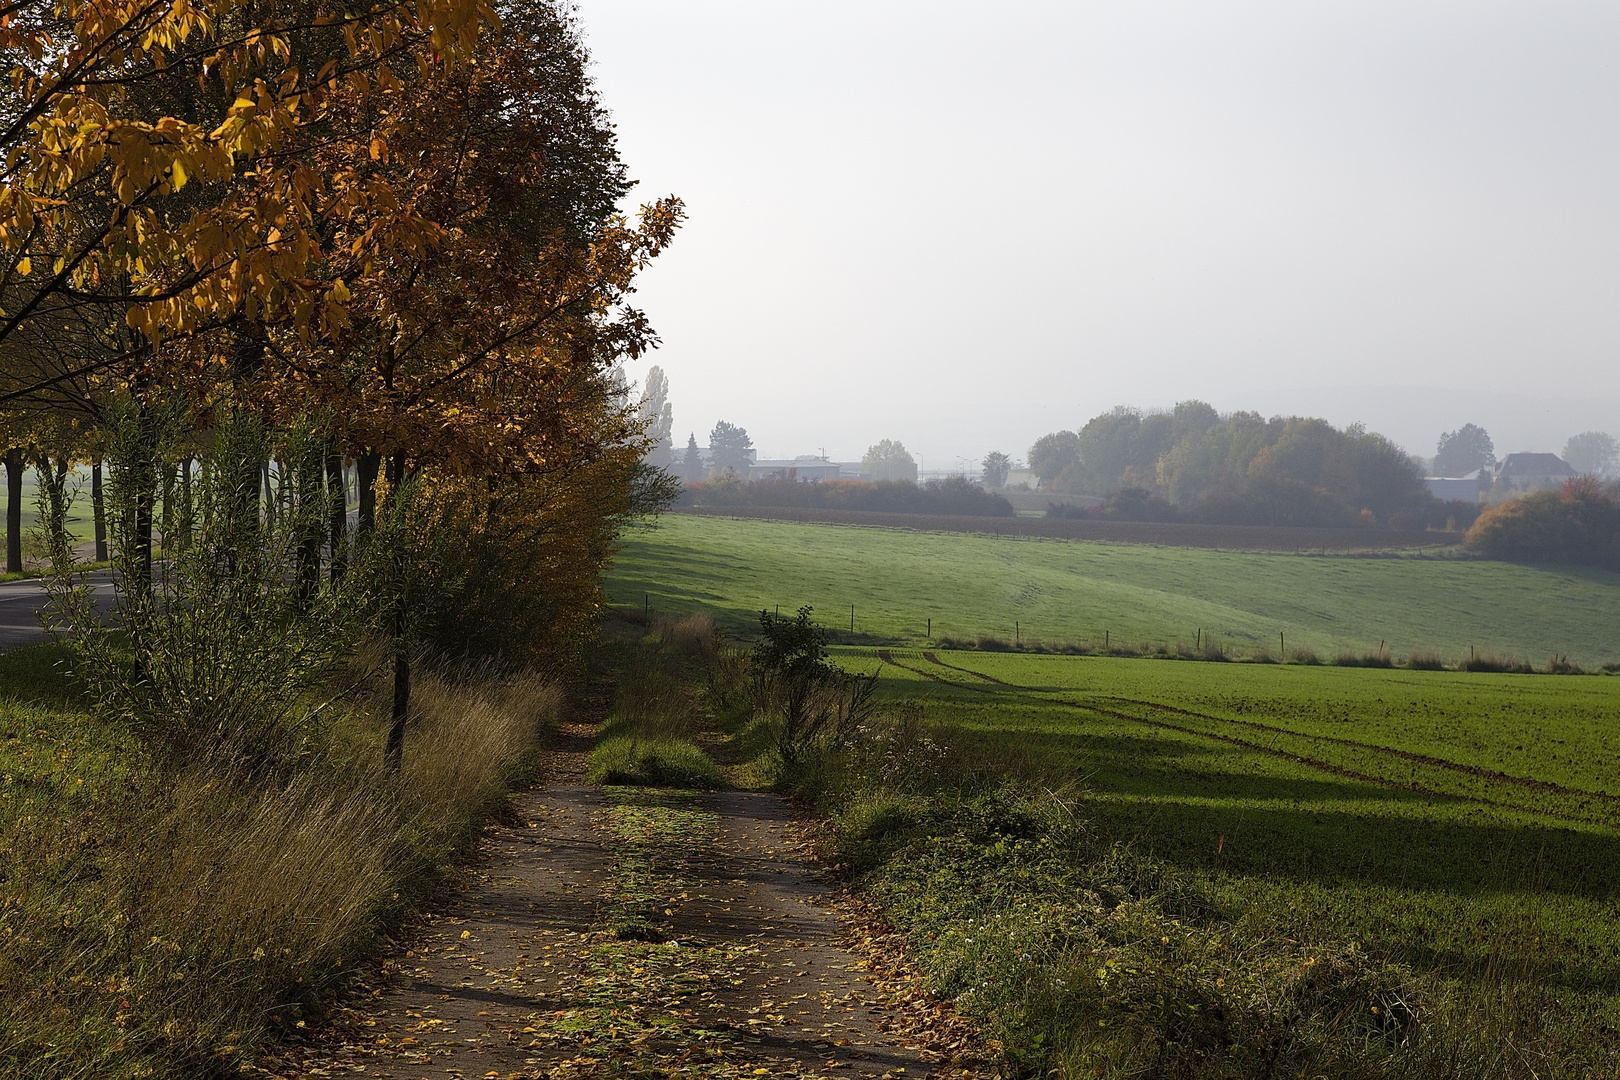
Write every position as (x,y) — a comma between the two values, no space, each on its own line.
(22,601)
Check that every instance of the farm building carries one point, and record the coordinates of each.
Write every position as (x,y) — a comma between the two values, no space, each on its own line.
(1455,488)
(803,469)
(1531,472)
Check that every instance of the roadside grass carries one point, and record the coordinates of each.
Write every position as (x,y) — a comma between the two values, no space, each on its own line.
(164,921)
(1079,596)
(1122,876)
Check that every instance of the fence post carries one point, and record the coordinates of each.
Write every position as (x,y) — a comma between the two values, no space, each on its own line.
(852,618)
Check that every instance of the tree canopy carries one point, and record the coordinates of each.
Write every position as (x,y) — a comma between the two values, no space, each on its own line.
(889,460)
(729,446)
(1238,468)
(1593,453)
(1462,451)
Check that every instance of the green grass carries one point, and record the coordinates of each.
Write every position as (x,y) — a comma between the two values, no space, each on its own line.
(1271,791)
(654,762)
(1057,590)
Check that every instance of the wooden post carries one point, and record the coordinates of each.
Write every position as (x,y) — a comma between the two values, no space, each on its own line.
(646,604)
(852,618)
(1105,639)
(930,628)
(1018,635)
(1282,644)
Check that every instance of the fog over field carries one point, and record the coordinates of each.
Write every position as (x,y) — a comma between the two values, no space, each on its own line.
(963,225)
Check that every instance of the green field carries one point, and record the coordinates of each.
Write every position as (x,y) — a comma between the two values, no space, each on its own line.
(1077,591)
(1457,823)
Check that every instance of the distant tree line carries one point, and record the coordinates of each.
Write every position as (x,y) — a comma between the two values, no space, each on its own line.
(953,495)
(1194,464)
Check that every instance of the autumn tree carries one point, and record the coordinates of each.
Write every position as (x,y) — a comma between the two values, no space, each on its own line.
(94,166)
(431,378)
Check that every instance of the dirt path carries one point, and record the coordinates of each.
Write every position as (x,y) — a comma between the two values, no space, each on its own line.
(636,933)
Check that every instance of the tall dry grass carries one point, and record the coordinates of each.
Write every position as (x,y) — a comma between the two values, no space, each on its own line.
(161,921)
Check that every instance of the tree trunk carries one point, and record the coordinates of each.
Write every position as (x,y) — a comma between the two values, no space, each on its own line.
(15,464)
(366,479)
(394,752)
(186,510)
(337,494)
(306,489)
(269,495)
(98,510)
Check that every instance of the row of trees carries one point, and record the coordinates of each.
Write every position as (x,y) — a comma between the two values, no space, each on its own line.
(1237,468)
(380,248)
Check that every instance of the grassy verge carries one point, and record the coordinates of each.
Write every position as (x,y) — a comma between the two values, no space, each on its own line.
(163,920)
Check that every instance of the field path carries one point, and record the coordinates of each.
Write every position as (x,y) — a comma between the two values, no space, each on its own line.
(629,933)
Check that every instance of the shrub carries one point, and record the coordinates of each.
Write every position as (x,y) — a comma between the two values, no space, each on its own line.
(1580,524)
(1424,660)
(640,762)
(806,695)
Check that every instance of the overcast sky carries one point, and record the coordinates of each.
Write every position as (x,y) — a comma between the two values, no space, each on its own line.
(966,225)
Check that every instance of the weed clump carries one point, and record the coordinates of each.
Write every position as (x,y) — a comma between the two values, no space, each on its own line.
(1424,660)
(641,762)
(1493,664)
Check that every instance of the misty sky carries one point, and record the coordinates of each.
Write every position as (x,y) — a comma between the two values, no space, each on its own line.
(965,225)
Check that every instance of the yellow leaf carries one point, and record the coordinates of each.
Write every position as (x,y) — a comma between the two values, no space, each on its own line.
(466,933)
(177,175)
(340,292)
(25,267)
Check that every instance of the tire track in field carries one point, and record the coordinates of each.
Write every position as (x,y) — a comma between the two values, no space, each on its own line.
(1301,759)
(1475,771)
(1337,770)
(1407,755)
(932,659)
(888,658)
